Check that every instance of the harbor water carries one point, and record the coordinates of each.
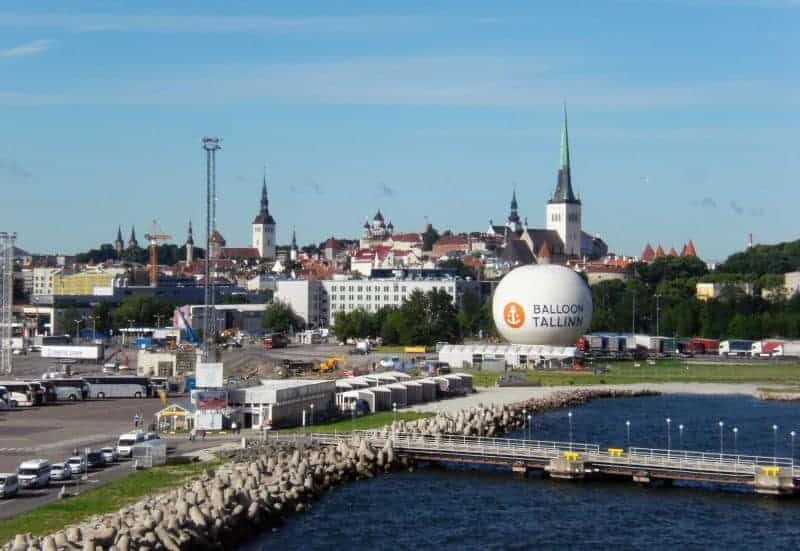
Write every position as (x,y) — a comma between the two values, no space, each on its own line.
(458,507)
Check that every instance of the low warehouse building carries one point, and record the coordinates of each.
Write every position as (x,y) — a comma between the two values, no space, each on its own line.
(281,403)
(512,355)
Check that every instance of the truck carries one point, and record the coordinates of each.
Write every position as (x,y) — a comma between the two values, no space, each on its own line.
(700,345)
(766,348)
(275,340)
(95,352)
(735,347)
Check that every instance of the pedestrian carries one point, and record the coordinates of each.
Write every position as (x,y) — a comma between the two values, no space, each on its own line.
(233,427)
(192,435)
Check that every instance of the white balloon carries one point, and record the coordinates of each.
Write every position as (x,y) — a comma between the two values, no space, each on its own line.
(542,304)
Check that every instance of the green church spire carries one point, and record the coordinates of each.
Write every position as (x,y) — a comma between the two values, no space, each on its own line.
(564,193)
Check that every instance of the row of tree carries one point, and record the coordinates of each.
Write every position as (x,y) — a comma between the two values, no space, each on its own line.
(663,299)
(138,311)
(168,254)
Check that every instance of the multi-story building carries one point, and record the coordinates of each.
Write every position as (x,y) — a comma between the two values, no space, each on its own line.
(307,299)
(43,280)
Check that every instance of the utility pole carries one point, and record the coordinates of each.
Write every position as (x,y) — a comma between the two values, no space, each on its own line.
(6,299)
(211,146)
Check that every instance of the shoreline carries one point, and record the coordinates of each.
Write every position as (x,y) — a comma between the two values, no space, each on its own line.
(513,395)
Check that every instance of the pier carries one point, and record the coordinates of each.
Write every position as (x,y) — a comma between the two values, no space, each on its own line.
(583,461)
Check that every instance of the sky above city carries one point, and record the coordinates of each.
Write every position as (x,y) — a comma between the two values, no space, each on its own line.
(683,117)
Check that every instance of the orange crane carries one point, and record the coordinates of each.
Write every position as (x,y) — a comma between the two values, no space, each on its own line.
(154,236)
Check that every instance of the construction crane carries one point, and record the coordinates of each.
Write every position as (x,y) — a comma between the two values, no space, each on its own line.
(154,236)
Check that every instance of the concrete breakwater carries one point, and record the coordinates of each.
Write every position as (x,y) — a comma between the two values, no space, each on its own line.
(261,485)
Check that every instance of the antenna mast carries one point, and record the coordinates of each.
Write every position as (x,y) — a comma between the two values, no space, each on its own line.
(6,299)
(211,146)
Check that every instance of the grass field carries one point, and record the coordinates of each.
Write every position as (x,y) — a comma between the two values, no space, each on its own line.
(104,499)
(665,371)
(365,422)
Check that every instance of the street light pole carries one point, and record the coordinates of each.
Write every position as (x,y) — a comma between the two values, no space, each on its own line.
(628,428)
(669,436)
(680,435)
(658,317)
(530,427)
(721,425)
(77,327)
(792,434)
(774,444)
(569,415)
(735,441)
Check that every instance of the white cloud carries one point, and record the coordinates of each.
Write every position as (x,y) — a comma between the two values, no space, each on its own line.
(471,81)
(31,48)
(156,23)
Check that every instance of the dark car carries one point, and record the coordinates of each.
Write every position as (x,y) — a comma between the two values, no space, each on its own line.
(95,460)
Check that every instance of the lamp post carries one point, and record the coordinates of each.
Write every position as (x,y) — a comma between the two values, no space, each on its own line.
(353,418)
(792,435)
(735,440)
(530,427)
(394,411)
(628,430)
(77,327)
(312,413)
(669,434)
(680,435)
(658,315)
(774,444)
(569,415)
(721,425)
(525,421)
(94,327)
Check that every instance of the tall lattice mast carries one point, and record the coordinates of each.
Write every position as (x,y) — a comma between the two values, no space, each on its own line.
(211,146)
(6,298)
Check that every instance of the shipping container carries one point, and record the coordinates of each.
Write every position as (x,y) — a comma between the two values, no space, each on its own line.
(790,348)
(766,348)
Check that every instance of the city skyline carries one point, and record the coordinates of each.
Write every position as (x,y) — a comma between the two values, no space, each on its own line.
(678,130)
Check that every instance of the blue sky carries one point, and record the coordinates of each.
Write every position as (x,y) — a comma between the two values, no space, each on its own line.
(683,116)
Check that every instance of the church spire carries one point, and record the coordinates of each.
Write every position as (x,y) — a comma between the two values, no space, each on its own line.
(190,238)
(294,239)
(564,192)
(119,234)
(263,216)
(513,216)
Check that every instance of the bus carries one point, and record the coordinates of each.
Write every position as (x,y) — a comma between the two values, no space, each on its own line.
(23,394)
(66,389)
(111,386)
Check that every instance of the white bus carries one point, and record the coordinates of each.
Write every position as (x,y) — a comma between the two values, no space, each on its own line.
(110,386)
(66,389)
(23,394)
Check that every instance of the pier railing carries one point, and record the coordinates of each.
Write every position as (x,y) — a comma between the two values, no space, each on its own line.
(512,449)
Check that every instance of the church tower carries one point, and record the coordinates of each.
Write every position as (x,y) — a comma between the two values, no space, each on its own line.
(190,245)
(119,244)
(513,216)
(264,227)
(293,248)
(132,243)
(564,210)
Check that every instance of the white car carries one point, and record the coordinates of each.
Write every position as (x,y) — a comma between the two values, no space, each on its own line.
(109,454)
(60,471)
(77,463)
(389,363)
(34,473)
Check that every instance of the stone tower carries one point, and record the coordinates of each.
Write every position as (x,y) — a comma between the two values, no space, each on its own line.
(564,210)
(190,245)
(264,227)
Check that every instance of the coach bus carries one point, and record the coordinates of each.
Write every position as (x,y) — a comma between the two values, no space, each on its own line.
(66,389)
(118,387)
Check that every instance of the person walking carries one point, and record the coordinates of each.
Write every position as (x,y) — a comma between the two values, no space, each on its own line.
(234,427)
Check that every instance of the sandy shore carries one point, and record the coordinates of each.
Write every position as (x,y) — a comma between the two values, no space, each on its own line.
(508,395)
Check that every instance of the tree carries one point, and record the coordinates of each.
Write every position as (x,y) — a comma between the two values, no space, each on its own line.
(462,270)
(101,314)
(143,311)
(279,317)
(65,320)
(470,316)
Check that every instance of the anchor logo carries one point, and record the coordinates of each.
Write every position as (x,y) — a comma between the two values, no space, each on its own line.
(514,315)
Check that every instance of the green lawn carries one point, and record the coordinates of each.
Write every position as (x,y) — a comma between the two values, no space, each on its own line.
(364,422)
(103,499)
(664,371)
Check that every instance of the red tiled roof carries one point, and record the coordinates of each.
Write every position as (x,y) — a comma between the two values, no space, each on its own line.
(689,250)
(659,251)
(648,254)
(452,240)
(240,252)
(407,237)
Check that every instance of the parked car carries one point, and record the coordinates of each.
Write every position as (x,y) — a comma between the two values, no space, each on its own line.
(60,471)
(389,363)
(151,436)
(34,473)
(9,485)
(77,463)
(109,454)
(95,460)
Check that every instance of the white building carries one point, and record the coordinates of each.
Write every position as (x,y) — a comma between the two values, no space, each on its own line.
(564,209)
(264,227)
(307,299)
(43,281)
(318,301)
(282,403)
